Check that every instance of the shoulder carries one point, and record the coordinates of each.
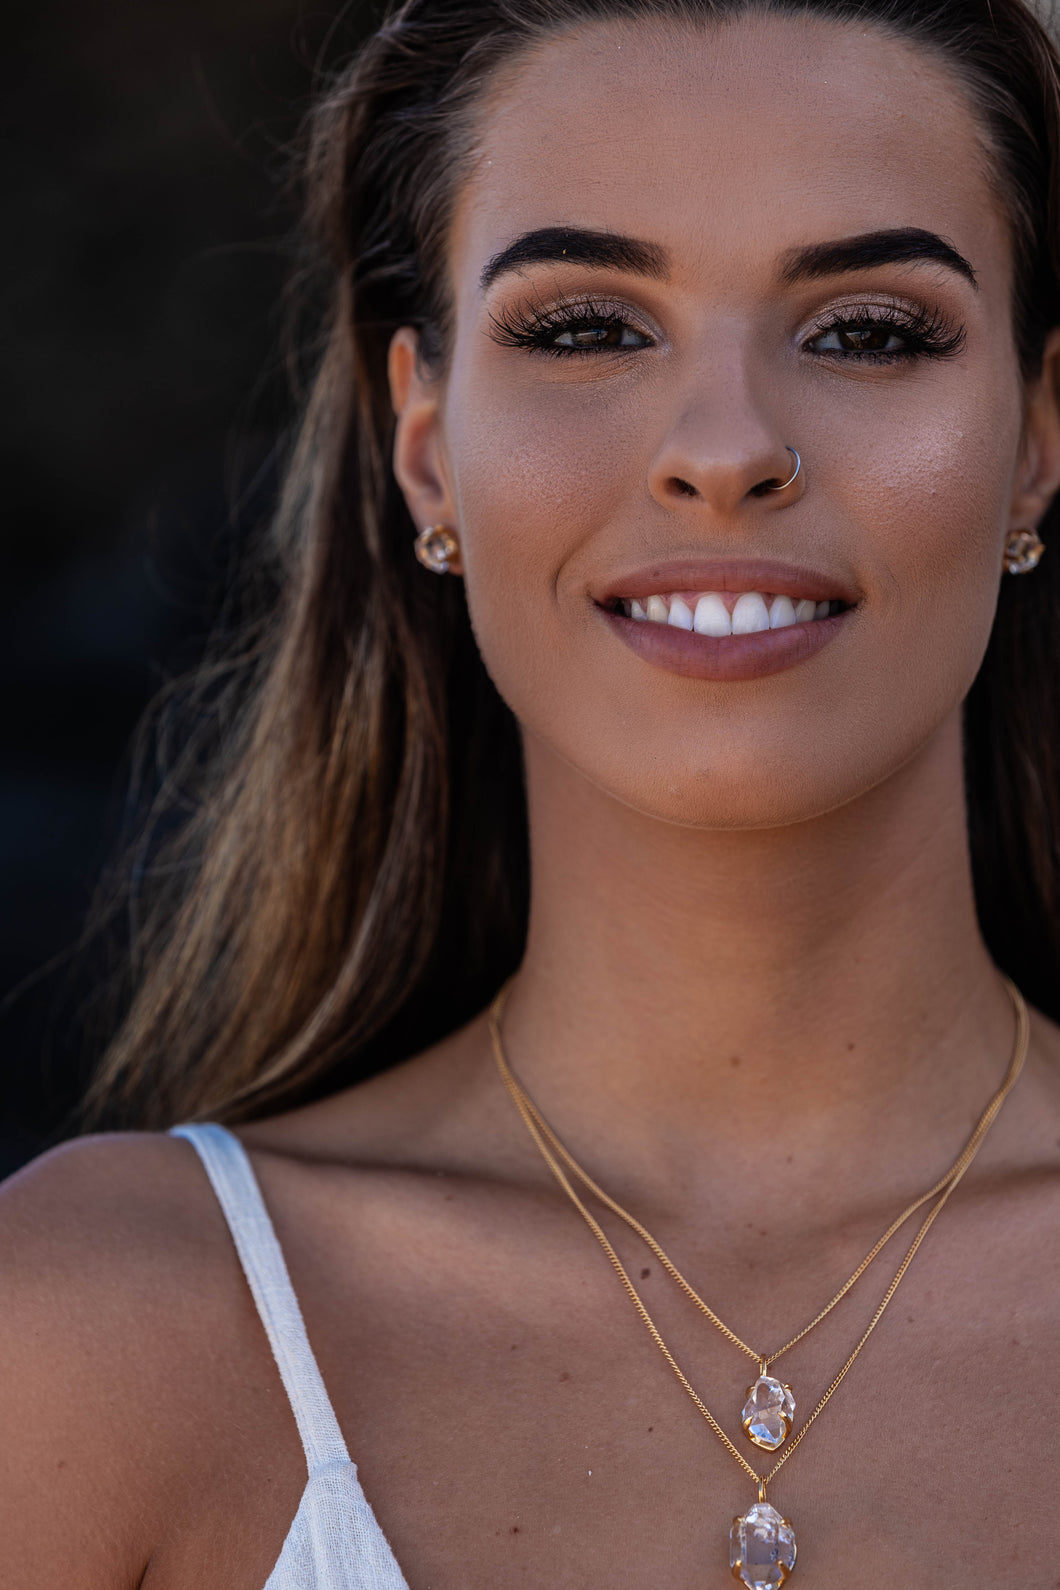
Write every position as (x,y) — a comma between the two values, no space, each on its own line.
(123,1324)
(95,1186)
(1035,1104)
(96,1214)
(96,1232)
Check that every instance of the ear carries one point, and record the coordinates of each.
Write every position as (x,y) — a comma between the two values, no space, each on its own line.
(1038,473)
(419,454)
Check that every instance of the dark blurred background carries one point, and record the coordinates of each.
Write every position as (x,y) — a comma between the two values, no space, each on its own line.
(148,219)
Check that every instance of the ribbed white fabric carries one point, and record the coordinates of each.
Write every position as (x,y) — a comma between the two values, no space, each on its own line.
(334,1542)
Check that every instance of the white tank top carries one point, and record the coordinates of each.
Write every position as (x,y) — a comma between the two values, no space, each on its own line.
(334,1542)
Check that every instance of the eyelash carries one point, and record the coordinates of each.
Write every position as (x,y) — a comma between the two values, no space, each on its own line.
(533,329)
(927,334)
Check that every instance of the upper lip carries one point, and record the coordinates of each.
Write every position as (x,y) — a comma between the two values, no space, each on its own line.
(725,574)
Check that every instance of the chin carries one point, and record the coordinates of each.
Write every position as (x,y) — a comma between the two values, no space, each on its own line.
(725,799)
(770,780)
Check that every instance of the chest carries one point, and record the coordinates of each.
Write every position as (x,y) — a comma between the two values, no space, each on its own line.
(514,1424)
(519,1426)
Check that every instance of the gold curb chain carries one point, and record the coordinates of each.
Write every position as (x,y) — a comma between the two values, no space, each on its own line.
(553,1152)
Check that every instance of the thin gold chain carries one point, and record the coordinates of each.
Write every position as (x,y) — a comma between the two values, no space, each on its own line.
(552,1151)
(955,1170)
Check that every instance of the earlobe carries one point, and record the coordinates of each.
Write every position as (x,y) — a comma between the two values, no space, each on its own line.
(419,457)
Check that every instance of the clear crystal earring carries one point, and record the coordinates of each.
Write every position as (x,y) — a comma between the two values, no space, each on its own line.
(1023,551)
(437,548)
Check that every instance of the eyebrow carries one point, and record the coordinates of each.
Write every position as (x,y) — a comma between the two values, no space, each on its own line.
(905,245)
(600,250)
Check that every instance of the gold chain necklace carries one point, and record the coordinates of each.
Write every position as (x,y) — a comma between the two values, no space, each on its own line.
(762,1543)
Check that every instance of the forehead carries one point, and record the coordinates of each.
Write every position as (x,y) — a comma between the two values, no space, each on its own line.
(729,144)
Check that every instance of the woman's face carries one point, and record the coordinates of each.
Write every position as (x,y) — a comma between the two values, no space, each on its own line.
(778,233)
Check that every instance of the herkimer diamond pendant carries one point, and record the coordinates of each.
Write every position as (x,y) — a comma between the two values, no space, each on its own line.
(761,1547)
(768,1412)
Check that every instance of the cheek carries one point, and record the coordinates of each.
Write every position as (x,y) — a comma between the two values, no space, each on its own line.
(544,454)
(933,501)
(552,490)
(542,477)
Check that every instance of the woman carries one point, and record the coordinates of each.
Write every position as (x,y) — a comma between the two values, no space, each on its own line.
(714,347)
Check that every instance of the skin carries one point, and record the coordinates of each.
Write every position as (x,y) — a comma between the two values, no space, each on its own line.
(755,1001)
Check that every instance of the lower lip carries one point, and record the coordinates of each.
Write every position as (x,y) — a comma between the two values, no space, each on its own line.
(727,657)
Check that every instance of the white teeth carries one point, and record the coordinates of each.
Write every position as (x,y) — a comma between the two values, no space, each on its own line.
(709,614)
(750,614)
(712,616)
(680,614)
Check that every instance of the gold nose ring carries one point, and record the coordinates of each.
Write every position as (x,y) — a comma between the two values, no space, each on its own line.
(782,486)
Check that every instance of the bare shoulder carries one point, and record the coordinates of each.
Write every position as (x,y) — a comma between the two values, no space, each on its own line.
(148,1439)
(100,1230)
(83,1188)
(1011,1201)
(122,1329)
(1035,1105)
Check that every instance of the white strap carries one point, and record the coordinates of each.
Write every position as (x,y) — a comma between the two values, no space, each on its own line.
(233,1180)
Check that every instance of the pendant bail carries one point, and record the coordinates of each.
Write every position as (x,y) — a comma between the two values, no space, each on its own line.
(761,1490)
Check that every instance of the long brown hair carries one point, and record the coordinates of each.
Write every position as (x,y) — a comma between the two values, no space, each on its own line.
(346,877)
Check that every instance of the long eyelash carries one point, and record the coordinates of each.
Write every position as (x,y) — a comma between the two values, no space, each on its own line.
(534,328)
(927,333)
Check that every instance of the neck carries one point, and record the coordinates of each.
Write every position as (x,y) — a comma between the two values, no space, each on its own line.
(823,985)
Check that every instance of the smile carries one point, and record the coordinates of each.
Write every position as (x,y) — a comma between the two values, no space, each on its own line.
(723,613)
(727,635)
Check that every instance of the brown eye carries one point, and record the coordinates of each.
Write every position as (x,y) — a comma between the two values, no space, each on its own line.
(570,330)
(872,338)
(595,337)
(888,335)
(606,334)
(868,339)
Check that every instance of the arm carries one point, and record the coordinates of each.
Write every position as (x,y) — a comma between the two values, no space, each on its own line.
(95,1239)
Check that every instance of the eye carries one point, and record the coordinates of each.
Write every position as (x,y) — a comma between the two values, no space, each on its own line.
(861,338)
(568,330)
(885,334)
(609,333)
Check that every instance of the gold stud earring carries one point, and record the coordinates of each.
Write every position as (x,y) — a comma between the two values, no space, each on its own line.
(437,548)
(1023,551)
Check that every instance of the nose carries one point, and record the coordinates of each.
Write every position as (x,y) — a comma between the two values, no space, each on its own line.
(724,450)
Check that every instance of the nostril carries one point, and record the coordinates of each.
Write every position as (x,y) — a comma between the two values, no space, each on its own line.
(683,488)
(764,487)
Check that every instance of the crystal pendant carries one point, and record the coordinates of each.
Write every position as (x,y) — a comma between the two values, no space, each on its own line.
(761,1547)
(768,1412)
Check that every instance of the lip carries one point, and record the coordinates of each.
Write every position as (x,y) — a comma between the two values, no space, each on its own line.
(725,659)
(730,574)
(728,658)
